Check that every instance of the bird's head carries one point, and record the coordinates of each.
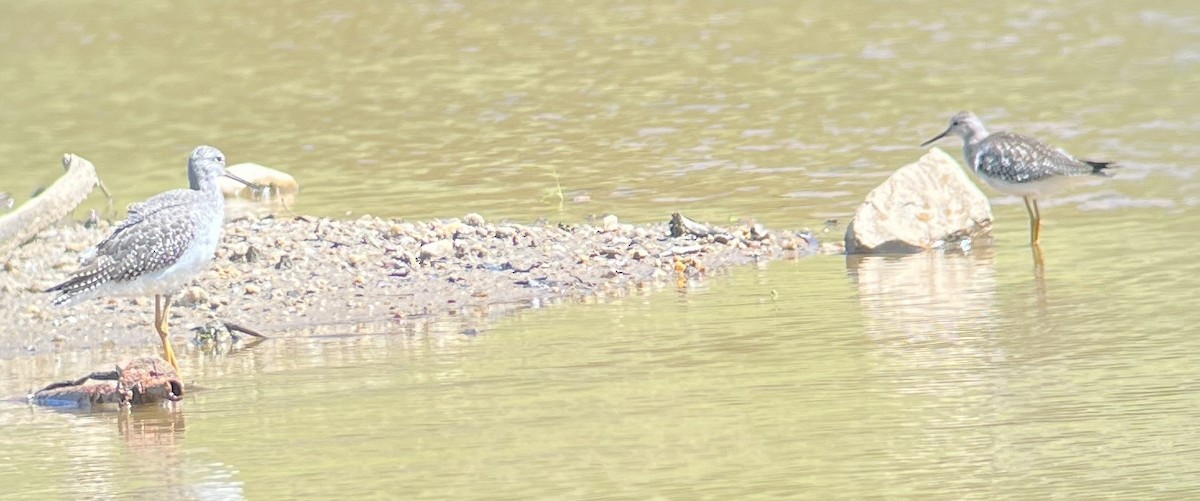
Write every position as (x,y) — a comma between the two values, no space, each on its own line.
(207,164)
(965,124)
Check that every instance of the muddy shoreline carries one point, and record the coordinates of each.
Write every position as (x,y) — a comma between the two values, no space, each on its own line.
(301,276)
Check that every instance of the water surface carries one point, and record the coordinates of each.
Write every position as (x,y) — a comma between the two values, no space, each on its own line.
(930,377)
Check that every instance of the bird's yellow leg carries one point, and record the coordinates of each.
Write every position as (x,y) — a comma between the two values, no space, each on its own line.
(161,304)
(1035,221)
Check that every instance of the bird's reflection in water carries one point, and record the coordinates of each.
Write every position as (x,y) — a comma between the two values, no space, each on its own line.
(1039,278)
(932,325)
(152,462)
(927,295)
(154,436)
(951,342)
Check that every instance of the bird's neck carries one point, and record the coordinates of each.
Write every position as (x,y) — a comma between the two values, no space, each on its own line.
(207,186)
(975,135)
(193,180)
(971,141)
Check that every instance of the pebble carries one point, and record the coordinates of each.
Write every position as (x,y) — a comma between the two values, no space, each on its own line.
(451,230)
(193,296)
(437,249)
(610,223)
(474,219)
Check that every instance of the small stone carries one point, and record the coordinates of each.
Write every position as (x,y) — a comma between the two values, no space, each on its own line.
(758,232)
(396,230)
(451,230)
(474,219)
(610,223)
(251,254)
(436,249)
(193,296)
(832,248)
(253,289)
(238,251)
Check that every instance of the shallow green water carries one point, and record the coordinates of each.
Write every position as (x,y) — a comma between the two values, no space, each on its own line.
(932,377)
(963,378)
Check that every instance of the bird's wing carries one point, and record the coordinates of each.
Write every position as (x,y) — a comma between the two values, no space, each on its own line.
(1015,158)
(138,211)
(153,238)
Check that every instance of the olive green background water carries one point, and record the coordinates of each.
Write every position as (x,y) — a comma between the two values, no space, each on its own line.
(931,377)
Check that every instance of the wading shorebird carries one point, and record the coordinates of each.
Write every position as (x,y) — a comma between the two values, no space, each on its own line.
(1018,165)
(161,246)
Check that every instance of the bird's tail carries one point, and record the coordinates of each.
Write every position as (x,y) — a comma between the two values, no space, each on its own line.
(1100,168)
(64,293)
(76,286)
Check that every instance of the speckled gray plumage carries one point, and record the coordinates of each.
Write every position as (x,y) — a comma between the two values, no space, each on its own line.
(1013,158)
(1009,161)
(147,242)
(144,252)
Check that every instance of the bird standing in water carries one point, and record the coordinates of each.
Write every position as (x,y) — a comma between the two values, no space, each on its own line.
(161,246)
(1018,165)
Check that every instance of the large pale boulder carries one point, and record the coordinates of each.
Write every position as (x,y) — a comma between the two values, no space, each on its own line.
(281,183)
(930,204)
(279,190)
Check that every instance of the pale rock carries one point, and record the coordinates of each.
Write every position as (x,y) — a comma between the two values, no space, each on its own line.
(929,204)
(610,222)
(474,219)
(436,249)
(192,296)
(281,183)
(278,191)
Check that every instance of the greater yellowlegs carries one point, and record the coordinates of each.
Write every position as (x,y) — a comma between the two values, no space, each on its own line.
(1018,165)
(163,243)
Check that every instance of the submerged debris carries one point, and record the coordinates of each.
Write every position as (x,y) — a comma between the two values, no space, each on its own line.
(146,380)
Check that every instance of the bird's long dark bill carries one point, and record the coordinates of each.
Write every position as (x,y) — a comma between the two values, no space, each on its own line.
(243,181)
(939,136)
